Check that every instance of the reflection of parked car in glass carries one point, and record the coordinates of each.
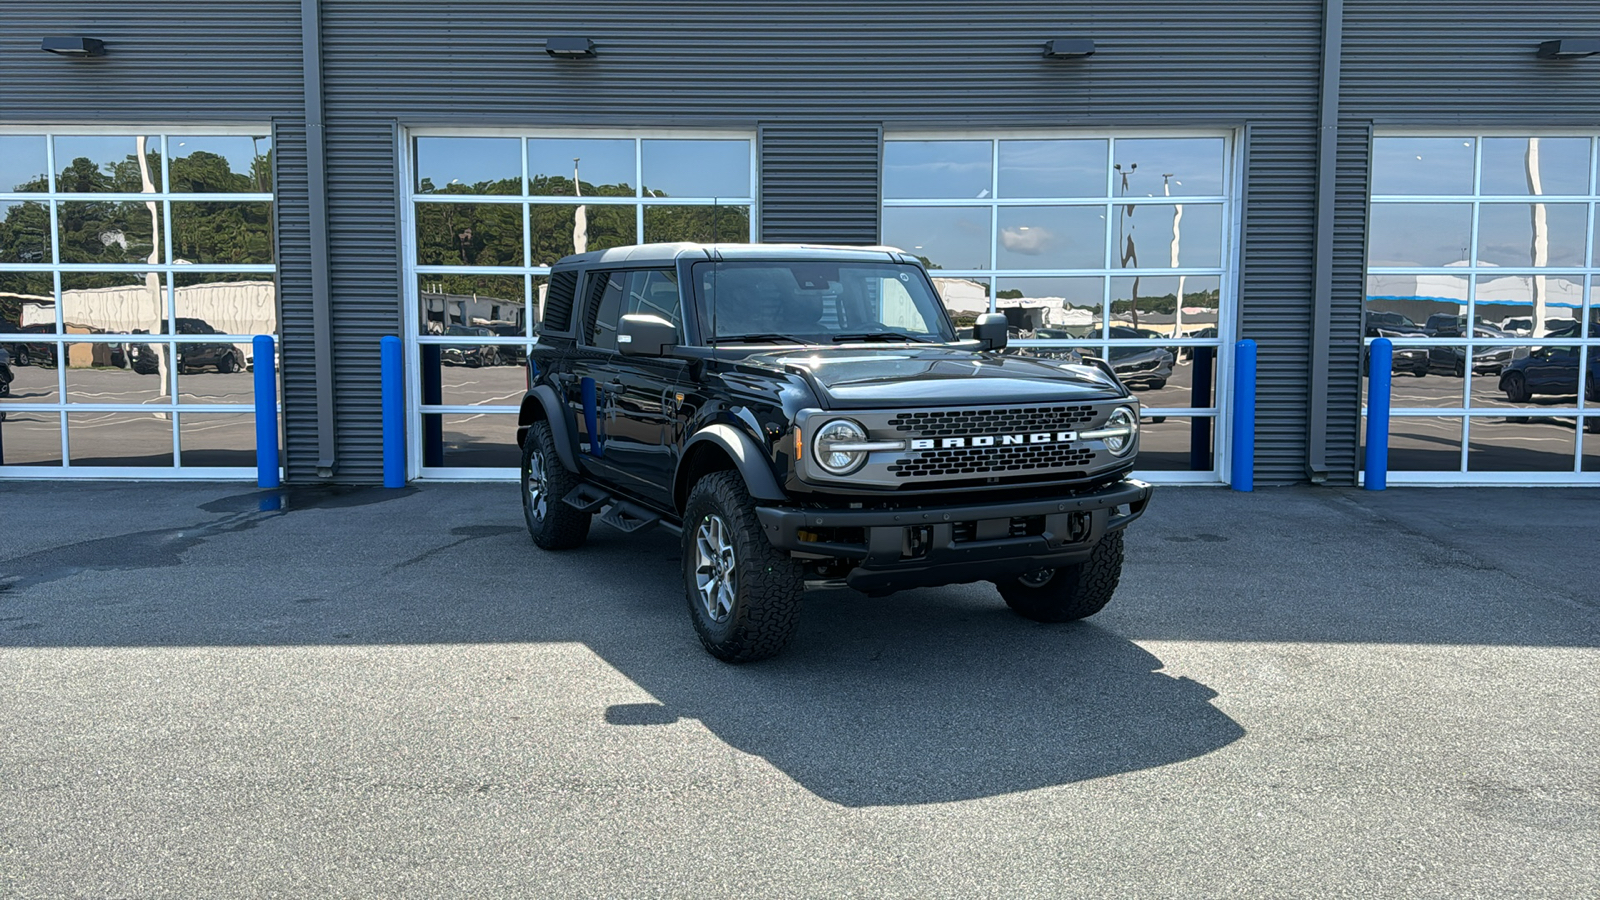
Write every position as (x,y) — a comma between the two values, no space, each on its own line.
(1412,360)
(224,358)
(510,354)
(1140,367)
(1552,370)
(1485,360)
(32,354)
(482,355)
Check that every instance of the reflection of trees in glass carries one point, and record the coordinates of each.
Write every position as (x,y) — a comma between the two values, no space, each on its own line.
(561,186)
(607,227)
(498,187)
(202,172)
(83,175)
(25,234)
(104,231)
(222,232)
(696,223)
(1166,304)
(469,234)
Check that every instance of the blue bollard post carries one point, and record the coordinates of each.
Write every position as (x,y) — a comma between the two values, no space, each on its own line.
(1380,369)
(266,363)
(394,428)
(1244,415)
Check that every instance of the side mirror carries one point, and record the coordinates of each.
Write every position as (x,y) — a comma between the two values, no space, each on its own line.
(642,335)
(992,331)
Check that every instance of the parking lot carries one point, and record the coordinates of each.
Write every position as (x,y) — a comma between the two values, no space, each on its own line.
(1297,692)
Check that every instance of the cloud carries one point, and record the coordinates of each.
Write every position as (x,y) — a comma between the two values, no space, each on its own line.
(1027,241)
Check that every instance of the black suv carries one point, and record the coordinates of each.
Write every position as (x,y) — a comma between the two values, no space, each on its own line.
(806,416)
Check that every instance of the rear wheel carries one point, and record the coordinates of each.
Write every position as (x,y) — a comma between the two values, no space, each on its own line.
(1516,388)
(1070,592)
(743,594)
(226,365)
(545,482)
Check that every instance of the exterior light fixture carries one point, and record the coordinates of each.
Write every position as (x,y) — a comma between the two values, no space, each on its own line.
(1068,48)
(569,47)
(78,47)
(1569,48)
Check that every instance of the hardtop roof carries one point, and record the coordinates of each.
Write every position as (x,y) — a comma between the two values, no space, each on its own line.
(661,254)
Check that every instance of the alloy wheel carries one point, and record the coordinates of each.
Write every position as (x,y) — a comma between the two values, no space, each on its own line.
(715,568)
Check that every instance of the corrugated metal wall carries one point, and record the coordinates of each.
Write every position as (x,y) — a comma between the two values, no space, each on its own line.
(817,78)
(1465,64)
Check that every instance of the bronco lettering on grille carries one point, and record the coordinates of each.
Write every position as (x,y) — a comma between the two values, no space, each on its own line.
(990,440)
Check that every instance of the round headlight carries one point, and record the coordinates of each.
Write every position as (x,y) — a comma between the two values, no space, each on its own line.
(1123,425)
(824,448)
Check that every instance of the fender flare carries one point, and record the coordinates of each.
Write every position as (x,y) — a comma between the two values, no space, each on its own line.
(543,398)
(748,458)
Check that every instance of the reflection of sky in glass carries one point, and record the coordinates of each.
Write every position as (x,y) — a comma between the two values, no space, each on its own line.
(1506,238)
(599,161)
(22,159)
(104,151)
(1076,292)
(467,161)
(1419,234)
(1195,165)
(239,150)
(950,170)
(1052,237)
(1052,169)
(1563,166)
(1151,228)
(1421,165)
(707,169)
(950,238)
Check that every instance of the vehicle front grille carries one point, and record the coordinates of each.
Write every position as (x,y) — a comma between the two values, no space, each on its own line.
(1005,420)
(991,461)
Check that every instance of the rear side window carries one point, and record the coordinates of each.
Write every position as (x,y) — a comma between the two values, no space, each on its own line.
(613,295)
(555,307)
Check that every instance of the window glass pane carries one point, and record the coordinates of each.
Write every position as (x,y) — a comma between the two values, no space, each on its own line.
(31,439)
(603,317)
(480,374)
(98,373)
(228,303)
(1157,236)
(1169,167)
(35,381)
(113,302)
(1419,234)
(604,167)
(696,168)
(225,233)
(1067,308)
(23,164)
(1591,443)
(945,170)
(491,301)
(27,301)
(1529,305)
(1522,444)
(964,299)
(469,234)
(100,164)
(1535,166)
(215,372)
(1050,169)
(110,232)
(1539,377)
(1148,305)
(470,441)
(1052,237)
(1422,443)
(217,439)
(25,232)
(1193,382)
(1175,443)
(119,439)
(212,164)
(1422,166)
(564,229)
(469,165)
(1532,234)
(707,224)
(943,238)
(1396,305)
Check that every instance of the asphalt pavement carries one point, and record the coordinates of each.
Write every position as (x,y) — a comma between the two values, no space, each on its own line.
(208,690)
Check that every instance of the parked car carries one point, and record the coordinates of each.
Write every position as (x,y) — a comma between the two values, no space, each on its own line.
(29,353)
(472,357)
(1553,370)
(510,354)
(1451,360)
(225,358)
(1411,360)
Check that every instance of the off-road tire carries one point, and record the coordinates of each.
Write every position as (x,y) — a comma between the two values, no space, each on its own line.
(560,527)
(767,584)
(1073,592)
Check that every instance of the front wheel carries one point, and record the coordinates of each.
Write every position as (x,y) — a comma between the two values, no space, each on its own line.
(1516,388)
(1070,592)
(743,594)
(545,483)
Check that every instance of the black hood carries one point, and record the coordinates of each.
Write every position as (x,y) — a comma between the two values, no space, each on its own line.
(872,377)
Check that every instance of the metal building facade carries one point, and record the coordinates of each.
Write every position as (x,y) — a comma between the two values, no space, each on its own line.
(820,85)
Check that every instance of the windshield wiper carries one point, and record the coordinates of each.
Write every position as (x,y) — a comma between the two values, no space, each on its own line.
(881,336)
(764,338)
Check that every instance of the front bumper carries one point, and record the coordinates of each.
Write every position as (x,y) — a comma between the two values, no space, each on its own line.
(922,546)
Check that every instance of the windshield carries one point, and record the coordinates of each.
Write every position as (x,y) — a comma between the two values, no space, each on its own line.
(817,302)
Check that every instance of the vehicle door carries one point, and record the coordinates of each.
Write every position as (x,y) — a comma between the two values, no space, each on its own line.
(1554,370)
(627,407)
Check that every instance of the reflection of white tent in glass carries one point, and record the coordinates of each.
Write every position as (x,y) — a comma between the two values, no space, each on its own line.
(1499,298)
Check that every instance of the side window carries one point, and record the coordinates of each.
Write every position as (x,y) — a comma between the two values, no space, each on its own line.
(654,292)
(606,293)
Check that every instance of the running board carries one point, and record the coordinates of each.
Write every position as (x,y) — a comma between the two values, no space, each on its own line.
(586,498)
(627,518)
